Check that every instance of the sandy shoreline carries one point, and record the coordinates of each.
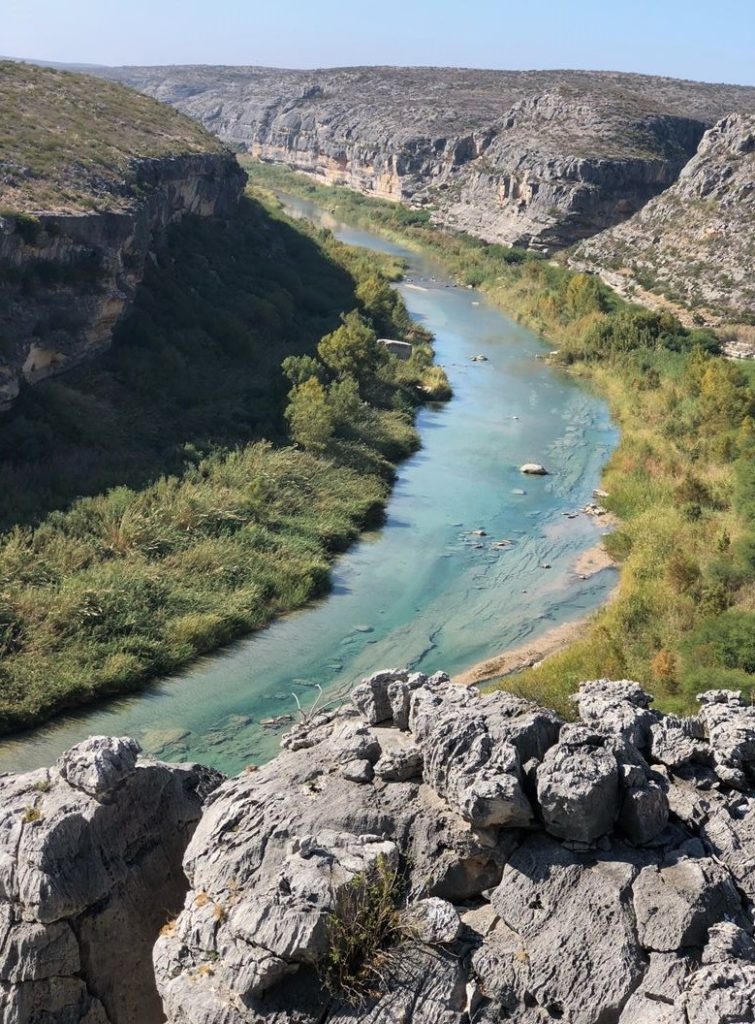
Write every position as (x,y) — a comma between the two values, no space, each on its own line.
(555,640)
(593,561)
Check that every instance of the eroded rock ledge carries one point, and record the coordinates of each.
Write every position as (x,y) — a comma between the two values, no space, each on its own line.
(90,868)
(596,872)
(593,872)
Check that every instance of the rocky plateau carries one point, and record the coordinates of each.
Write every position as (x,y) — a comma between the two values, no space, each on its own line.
(75,237)
(598,871)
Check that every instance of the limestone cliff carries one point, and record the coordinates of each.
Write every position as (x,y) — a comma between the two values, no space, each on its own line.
(528,158)
(593,873)
(77,224)
(693,244)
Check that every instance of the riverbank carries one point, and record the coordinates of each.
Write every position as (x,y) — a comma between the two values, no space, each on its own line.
(554,641)
(192,531)
(425,584)
(682,481)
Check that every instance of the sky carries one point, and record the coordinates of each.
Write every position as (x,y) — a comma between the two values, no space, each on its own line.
(699,39)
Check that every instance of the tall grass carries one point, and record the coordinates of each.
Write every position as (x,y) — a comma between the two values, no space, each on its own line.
(682,480)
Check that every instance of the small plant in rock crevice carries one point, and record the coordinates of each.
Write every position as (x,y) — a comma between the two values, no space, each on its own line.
(365,930)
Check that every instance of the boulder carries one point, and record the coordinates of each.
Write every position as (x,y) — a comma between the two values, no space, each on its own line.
(533,469)
(578,786)
(90,869)
(729,724)
(571,933)
(677,901)
(619,707)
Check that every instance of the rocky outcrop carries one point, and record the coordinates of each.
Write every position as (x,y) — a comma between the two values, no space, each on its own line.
(527,158)
(66,279)
(582,872)
(692,245)
(90,869)
(591,872)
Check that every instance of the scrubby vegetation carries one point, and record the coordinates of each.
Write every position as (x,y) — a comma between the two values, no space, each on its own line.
(67,141)
(681,482)
(146,520)
(363,931)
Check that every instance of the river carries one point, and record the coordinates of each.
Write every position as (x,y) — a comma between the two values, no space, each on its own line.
(424,590)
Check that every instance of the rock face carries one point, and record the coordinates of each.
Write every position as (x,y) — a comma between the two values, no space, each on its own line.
(691,245)
(90,869)
(66,279)
(526,158)
(578,872)
(90,177)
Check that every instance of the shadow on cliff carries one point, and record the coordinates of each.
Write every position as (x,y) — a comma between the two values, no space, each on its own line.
(194,366)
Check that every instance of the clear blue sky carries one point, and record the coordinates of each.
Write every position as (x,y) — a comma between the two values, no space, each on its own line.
(712,40)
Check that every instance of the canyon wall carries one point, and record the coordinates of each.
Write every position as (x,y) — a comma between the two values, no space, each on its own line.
(67,278)
(538,159)
(693,245)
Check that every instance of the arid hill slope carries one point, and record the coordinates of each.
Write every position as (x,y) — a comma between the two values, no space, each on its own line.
(539,158)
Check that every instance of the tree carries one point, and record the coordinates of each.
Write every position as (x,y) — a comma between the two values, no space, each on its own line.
(344,400)
(301,368)
(308,413)
(383,304)
(351,349)
(584,295)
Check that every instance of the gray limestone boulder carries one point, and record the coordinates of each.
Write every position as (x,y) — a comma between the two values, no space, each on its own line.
(99,764)
(619,707)
(677,902)
(433,921)
(729,724)
(90,869)
(720,994)
(578,786)
(644,808)
(569,938)
(678,742)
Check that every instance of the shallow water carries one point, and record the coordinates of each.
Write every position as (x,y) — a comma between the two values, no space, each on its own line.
(423,591)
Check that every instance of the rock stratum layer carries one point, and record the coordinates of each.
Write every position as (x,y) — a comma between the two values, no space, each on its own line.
(77,227)
(694,244)
(526,158)
(594,872)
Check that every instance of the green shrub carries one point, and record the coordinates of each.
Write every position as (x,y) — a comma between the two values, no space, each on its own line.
(363,930)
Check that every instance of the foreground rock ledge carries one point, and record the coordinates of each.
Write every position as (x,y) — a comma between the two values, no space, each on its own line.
(90,867)
(597,872)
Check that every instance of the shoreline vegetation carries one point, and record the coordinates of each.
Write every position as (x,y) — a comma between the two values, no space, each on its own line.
(681,482)
(242,431)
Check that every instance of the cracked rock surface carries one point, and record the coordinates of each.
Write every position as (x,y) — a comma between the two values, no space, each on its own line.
(90,868)
(583,872)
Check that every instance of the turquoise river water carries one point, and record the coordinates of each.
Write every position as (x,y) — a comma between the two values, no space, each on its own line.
(422,591)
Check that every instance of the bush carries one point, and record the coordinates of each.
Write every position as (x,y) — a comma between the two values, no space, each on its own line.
(363,928)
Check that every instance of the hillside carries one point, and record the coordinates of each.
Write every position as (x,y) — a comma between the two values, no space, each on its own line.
(92,174)
(68,146)
(538,158)
(694,244)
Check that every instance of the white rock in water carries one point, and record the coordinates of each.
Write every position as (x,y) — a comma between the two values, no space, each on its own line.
(533,469)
